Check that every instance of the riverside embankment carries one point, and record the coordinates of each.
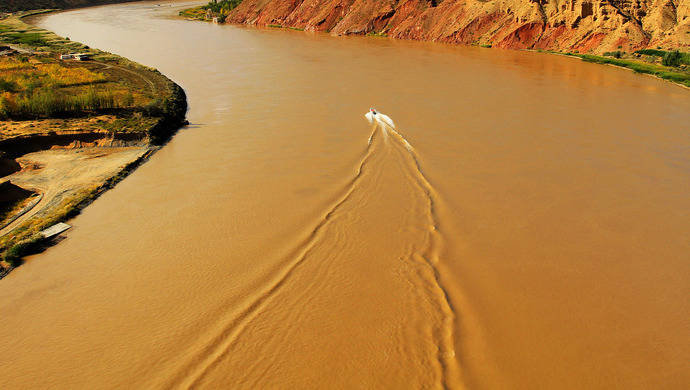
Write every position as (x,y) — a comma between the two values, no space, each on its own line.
(70,129)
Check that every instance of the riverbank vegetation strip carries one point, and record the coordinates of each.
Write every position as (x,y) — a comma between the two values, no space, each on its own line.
(672,66)
(47,91)
(213,11)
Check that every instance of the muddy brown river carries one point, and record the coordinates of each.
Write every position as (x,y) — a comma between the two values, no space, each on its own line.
(524,224)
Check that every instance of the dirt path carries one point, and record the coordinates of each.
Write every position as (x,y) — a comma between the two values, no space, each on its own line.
(146,79)
(75,169)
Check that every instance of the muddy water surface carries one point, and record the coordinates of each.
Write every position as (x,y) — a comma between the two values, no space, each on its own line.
(525,224)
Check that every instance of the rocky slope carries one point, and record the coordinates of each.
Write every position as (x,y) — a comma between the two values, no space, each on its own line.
(575,25)
(25,5)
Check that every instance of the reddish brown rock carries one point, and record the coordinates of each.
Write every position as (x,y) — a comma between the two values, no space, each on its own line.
(583,25)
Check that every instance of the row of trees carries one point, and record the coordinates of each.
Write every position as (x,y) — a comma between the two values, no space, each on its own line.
(222,8)
(50,103)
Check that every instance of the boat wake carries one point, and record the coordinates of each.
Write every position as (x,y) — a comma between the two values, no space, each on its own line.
(376,118)
(365,213)
(430,255)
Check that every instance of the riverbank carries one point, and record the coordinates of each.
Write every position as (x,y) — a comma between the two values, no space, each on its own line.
(70,129)
(647,61)
(642,63)
(560,191)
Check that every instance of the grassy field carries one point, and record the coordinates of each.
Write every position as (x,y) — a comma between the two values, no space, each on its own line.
(194,13)
(43,90)
(36,84)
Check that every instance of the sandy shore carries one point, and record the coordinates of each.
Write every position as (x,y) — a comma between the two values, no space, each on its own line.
(77,169)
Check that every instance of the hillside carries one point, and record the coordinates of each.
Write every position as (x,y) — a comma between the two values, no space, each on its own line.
(594,26)
(25,5)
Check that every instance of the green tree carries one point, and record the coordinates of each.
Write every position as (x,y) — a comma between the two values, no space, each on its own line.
(672,58)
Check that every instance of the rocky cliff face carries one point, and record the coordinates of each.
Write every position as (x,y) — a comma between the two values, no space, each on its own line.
(26,5)
(584,25)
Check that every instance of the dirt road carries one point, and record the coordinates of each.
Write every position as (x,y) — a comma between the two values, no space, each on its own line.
(61,173)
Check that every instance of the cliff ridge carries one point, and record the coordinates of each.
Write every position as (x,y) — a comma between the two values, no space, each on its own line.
(586,26)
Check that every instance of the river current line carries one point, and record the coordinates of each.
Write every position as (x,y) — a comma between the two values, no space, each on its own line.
(223,335)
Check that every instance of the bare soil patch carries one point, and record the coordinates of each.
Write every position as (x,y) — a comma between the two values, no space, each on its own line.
(76,168)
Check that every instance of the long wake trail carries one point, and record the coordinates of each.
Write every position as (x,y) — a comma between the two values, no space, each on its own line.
(197,367)
(218,340)
(430,256)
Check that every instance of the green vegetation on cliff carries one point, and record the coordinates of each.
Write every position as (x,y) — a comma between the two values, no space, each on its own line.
(214,9)
(223,6)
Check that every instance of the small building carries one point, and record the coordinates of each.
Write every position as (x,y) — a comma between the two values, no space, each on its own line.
(76,56)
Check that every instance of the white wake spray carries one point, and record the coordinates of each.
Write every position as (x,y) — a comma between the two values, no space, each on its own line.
(380,118)
(376,118)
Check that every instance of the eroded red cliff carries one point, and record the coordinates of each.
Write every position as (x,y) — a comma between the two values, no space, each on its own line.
(583,25)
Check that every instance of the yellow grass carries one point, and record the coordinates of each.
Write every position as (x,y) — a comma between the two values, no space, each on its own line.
(30,76)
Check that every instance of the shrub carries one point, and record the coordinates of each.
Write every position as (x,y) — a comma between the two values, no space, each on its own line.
(8,86)
(615,54)
(128,99)
(153,108)
(672,58)
(651,52)
(7,104)
(14,255)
